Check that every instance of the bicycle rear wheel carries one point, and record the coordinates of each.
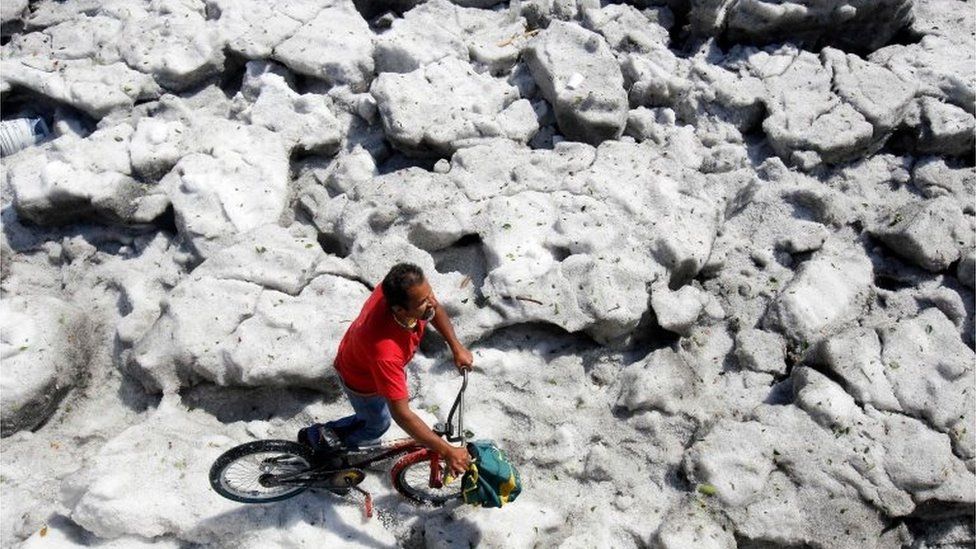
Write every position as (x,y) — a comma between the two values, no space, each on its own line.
(248,473)
(421,477)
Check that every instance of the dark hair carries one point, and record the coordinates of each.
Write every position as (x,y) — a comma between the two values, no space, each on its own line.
(401,278)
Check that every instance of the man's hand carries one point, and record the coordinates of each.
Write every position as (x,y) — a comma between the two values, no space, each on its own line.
(457,460)
(463,359)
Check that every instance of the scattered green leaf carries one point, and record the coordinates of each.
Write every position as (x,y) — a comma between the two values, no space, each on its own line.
(707,490)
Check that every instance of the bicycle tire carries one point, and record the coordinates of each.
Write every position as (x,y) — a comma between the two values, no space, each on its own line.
(411,476)
(236,474)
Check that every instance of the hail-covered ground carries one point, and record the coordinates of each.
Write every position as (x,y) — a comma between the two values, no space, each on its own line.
(715,261)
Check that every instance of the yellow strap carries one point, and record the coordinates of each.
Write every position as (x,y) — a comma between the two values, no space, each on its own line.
(506,489)
(473,469)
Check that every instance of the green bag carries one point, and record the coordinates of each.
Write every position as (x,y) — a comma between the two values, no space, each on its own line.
(491,481)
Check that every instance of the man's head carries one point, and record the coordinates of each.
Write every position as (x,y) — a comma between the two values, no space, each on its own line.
(408,293)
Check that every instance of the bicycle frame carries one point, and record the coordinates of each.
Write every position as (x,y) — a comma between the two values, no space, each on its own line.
(410,449)
(355,459)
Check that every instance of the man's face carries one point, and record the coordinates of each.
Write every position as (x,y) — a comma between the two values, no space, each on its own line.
(421,302)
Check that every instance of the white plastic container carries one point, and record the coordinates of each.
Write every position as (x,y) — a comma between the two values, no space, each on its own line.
(21,133)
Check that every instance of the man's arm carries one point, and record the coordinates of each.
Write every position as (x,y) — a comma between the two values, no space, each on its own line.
(457,458)
(462,356)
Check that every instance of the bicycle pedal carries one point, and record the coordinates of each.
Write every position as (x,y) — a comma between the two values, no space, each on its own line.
(367,501)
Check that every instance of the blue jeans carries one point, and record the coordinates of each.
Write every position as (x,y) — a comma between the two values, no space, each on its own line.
(367,425)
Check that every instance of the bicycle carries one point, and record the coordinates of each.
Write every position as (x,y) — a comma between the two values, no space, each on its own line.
(265,471)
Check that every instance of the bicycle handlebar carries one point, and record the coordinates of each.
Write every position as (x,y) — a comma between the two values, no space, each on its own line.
(458,407)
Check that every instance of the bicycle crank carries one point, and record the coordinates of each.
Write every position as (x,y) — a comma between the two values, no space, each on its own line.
(344,478)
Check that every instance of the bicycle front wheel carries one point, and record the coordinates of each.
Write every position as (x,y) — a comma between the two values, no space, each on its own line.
(250,473)
(422,477)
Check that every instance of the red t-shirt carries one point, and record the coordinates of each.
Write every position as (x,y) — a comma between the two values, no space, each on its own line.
(376,349)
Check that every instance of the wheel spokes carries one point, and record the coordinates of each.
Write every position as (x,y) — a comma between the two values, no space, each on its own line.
(244,476)
(427,480)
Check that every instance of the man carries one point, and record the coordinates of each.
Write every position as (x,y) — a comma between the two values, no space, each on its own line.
(373,355)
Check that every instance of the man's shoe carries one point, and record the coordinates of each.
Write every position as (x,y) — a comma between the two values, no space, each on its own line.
(329,439)
(327,449)
(302,437)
